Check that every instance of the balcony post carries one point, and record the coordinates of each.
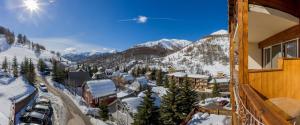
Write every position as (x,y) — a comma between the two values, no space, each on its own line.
(243,40)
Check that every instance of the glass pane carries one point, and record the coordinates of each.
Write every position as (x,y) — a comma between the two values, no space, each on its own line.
(291,49)
(276,53)
(267,59)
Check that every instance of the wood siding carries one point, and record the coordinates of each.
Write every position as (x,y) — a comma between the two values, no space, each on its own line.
(282,82)
(291,33)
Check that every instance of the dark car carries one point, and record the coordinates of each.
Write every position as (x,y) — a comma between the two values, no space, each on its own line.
(43,87)
(40,108)
(34,118)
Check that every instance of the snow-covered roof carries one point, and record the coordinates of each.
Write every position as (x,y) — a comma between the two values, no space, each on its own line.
(161,91)
(122,94)
(142,80)
(212,119)
(128,77)
(177,74)
(183,74)
(109,70)
(100,88)
(198,76)
(132,103)
(221,80)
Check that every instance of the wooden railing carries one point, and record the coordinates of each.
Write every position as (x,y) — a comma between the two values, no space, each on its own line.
(281,82)
(254,111)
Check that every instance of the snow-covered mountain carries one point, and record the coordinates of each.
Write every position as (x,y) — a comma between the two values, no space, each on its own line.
(170,44)
(79,56)
(208,55)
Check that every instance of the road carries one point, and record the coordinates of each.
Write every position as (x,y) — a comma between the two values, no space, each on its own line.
(74,115)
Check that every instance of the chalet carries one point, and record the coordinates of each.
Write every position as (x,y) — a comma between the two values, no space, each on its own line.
(127,79)
(109,72)
(139,84)
(77,78)
(99,75)
(223,84)
(96,92)
(128,107)
(199,82)
(265,61)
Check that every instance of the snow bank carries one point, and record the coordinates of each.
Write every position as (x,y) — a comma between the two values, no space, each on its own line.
(206,119)
(16,90)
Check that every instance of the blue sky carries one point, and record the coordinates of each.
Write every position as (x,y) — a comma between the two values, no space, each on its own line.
(86,25)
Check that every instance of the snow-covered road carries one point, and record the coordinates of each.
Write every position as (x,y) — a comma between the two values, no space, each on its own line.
(67,113)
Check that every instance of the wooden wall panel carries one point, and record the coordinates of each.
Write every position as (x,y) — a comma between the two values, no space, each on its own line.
(278,83)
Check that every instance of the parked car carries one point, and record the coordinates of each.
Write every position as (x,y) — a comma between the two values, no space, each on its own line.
(43,101)
(40,108)
(43,87)
(34,118)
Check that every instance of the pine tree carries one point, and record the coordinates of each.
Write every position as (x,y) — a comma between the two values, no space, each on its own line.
(148,113)
(169,110)
(24,66)
(41,65)
(186,98)
(15,67)
(166,82)
(159,80)
(30,75)
(5,65)
(215,91)
(103,111)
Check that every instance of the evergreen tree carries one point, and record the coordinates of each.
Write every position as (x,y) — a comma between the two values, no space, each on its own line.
(148,113)
(41,65)
(215,91)
(15,67)
(186,98)
(5,64)
(58,74)
(159,80)
(169,110)
(24,66)
(166,82)
(153,74)
(103,111)
(30,75)
(19,38)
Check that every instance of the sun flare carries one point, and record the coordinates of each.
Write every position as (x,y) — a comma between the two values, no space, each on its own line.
(31,5)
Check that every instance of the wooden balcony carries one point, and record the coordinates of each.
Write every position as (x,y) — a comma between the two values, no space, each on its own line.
(281,82)
(276,91)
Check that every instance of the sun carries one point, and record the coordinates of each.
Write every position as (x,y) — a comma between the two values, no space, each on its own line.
(31,5)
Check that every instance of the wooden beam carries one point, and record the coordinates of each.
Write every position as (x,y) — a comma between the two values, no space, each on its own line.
(288,6)
(291,33)
(243,40)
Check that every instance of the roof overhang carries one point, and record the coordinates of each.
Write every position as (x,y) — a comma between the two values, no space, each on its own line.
(265,22)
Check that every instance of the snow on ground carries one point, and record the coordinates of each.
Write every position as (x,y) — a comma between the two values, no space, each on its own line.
(59,110)
(17,89)
(77,100)
(212,119)
(208,101)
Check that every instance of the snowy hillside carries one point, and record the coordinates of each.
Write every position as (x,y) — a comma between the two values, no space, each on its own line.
(22,51)
(171,44)
(208,55)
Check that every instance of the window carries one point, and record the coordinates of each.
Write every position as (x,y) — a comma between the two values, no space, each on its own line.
(291,49)
(271,54)
(276,54)
(267,58)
